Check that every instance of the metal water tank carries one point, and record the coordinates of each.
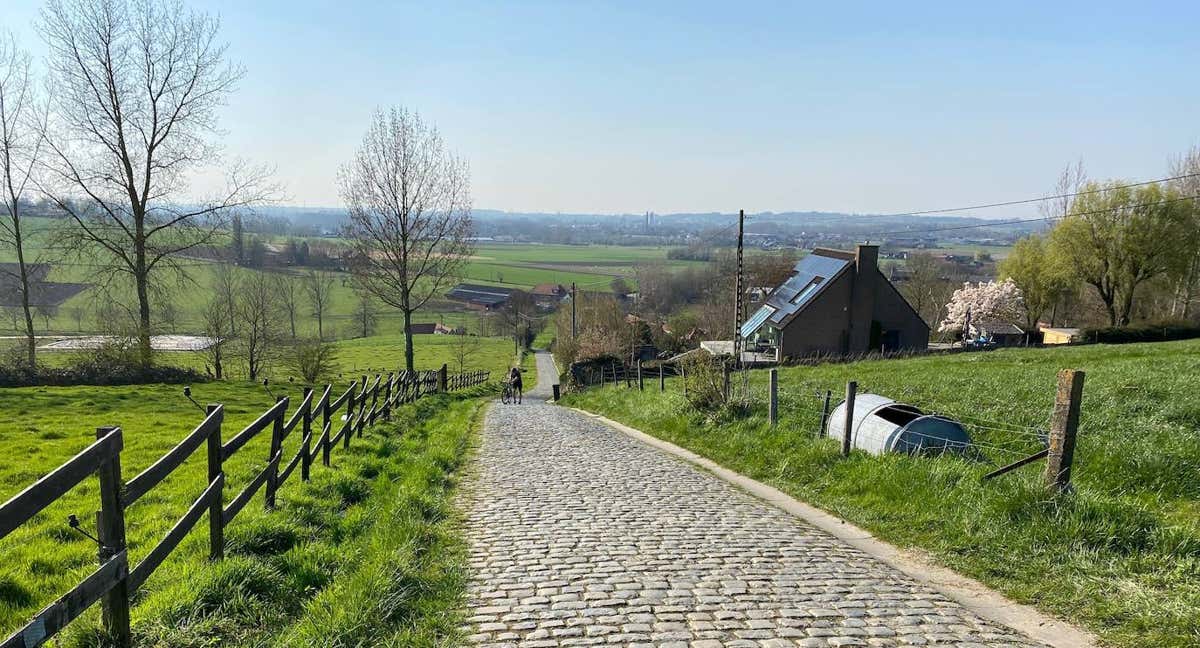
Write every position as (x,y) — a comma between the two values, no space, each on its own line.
(881,425)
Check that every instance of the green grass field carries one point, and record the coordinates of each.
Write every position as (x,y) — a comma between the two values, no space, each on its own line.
(516,265)
(44,426)
(382,506)
(1121,555)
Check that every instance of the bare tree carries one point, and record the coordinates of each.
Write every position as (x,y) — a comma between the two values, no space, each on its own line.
(465,347)
(77,312)
(256,309)
(318,286)
(365,313)
(226,284)
(20,150)
(289,299)
(409,204)
(137,88)
(216,326)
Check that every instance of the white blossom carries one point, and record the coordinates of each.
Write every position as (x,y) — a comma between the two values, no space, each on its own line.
(983,302)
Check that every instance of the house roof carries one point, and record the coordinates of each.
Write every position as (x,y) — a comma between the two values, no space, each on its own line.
(548,290)
(997,328)
(809,277)
(479,294)
(41,292)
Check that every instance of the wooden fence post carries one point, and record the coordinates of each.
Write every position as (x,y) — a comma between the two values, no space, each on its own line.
(442,379)
(824,430)
(362,407)
(641,384)
(276,449)
(851,390)
(387,398)
(662,380)
(1064,424)
(773,405)
(306,439)
(349,419)
(374,401)
(216,525)
(326,423)
(110,530)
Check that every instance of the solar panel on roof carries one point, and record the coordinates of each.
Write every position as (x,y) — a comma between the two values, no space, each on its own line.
(756,320)
(812,272)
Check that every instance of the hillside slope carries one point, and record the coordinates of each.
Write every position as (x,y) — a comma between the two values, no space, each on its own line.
(1121,555)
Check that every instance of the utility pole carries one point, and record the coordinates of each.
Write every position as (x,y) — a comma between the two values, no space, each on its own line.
(574,298)
(737,293)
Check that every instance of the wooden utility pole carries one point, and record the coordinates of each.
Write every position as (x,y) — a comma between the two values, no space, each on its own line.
(851,391)
(1064,424)
(737,292)
(574,298)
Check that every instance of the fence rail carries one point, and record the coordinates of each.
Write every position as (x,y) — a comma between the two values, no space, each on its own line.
(114,583)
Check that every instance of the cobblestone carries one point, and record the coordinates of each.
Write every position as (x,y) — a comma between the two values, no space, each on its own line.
(582,536)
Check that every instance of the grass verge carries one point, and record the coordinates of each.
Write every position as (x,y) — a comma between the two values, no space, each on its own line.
(364,554)
(1121,555)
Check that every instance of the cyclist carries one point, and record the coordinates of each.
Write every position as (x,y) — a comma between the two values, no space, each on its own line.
(514,381)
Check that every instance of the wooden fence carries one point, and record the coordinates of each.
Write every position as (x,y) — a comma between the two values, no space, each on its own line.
(115,581)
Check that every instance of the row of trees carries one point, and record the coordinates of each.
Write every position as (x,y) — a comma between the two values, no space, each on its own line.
(252,318)
(132,118)
(1118,252)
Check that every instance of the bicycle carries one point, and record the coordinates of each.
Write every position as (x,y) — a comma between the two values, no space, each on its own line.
(509,395)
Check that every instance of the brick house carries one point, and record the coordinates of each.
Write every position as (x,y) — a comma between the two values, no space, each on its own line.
(835,302)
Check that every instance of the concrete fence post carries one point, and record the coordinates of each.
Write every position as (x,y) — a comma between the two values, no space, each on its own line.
(773,406)
(1064,425)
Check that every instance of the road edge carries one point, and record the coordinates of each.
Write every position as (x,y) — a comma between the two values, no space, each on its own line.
(965,591)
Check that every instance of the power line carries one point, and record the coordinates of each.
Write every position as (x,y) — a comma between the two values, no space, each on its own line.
(1018,221)
(1026,201)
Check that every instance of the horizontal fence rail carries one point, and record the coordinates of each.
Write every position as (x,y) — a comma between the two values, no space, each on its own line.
(113,584)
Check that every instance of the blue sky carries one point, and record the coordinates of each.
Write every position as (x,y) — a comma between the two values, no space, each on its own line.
(691,106)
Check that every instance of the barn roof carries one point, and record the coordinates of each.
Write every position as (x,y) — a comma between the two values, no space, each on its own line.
(479,294)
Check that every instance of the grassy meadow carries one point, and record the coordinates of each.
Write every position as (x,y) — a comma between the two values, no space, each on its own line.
(1120,555)
(511,265)
(373,530)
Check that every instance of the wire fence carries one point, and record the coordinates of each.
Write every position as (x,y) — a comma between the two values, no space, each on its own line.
(810,408)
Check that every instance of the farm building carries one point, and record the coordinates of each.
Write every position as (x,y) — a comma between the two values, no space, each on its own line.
(1054,335)
(41,292)
(997,333)
(835,302)
(479,297)
(548,295)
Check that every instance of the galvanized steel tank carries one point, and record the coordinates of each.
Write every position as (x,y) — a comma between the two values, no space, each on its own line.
(881,425)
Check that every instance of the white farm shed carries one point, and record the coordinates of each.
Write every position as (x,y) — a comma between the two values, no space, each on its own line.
(881,425)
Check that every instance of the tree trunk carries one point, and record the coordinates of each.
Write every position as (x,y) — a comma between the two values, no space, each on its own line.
(143,328)
(408,337)
(30,341)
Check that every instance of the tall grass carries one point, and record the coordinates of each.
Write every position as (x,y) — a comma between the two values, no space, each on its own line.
(1120,555)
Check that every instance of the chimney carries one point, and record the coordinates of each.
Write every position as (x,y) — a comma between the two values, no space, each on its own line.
(866,257)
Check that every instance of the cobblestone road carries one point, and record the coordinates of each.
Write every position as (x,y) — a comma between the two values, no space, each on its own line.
(582,536)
